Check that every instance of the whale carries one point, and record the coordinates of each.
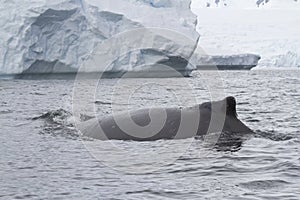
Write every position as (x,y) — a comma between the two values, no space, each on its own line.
(149,124)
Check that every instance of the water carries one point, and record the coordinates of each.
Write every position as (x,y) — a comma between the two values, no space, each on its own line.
(44,157)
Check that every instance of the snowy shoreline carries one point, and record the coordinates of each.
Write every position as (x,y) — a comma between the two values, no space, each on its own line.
(272,33)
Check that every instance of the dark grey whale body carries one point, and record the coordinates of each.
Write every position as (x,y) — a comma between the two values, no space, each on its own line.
(209,117)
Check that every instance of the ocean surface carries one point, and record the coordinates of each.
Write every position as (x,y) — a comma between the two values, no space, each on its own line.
(43,156)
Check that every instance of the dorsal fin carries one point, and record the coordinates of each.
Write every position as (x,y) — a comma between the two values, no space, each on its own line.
(231,106)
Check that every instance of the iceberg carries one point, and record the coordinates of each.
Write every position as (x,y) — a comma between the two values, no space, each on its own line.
(63,36)
(228,62)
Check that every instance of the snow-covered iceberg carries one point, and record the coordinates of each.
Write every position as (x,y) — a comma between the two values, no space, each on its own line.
(228,62)
(61,36)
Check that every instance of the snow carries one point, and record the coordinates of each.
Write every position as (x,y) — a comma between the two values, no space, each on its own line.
(271,30)
(61,36)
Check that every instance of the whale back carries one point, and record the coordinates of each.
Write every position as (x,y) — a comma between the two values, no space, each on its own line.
(109,127)
(215,116)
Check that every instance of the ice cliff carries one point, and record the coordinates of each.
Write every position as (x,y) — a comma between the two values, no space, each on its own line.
(60,36)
